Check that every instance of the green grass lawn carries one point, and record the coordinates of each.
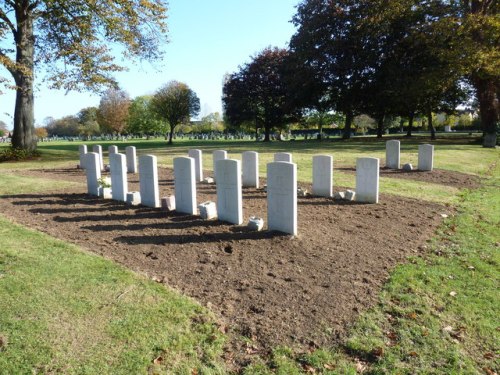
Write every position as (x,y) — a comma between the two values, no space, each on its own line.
(67,311)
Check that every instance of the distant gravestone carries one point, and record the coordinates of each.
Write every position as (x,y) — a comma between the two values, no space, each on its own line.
(229,196)
(216,156)
(98,150)
(131,159)
(392,154)
(148,181)
(283,156)
(367,180)
(322,175)
(185,185)
(118,168)
(93,171)
(198,163)
(425,157)
(112,150)
(82,149)
(282,197)
(250,166)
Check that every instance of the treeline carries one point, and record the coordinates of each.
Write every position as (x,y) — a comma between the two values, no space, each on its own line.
(404,59)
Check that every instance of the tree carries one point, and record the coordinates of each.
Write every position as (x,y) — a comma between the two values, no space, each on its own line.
(71,41)
(41,132)
(176,103)
(142,119)
(67,126)
(87,118)
(113,111)
(3,128)
(331,48)
(258,92)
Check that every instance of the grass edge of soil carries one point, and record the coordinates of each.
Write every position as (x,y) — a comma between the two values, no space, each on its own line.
(436,314)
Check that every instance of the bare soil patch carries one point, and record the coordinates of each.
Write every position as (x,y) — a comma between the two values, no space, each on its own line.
(267,286)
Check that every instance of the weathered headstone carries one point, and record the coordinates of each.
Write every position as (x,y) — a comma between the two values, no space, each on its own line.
(322,175)
(283,156)
(392,154)
(425,157)
(250,166)
(282,197)
(98,150)
(131,159)
(367,180)
(229,196)
(185,185)
(112,150)
(148,181)
(216,156)
(198,163)
(93,171)
(119,186)
(82,149)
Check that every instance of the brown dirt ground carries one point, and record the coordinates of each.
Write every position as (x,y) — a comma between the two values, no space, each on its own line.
(270,287)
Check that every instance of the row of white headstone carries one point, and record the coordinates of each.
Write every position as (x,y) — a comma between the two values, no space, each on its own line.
(393,156)
(130,156)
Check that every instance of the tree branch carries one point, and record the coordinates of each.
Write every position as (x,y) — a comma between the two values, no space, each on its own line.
(7,62)
(3,17)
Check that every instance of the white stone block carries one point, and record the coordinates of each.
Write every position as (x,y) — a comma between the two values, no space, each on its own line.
(185,185)
(407,167)
(198,163)
(82,149)
(208,180)
(208,210)
(112,150)
(229,195)
(283,156)
(250,169)
(130,151)
(118,176)
(282,197)
(216,156)
(98,150)
(425,157)
(392,154)
(134,198)
(93,171)
(105,192)
(367,180)
(349,195)
(322,175)
(148,181)
(339,195)
(168,203)
(255,223)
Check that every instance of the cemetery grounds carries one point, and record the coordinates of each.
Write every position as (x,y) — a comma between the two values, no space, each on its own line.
(409,285)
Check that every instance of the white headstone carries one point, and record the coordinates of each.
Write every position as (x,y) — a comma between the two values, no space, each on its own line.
(367,180)
(216,156)
(82,149)
(392,154)
(119,188)
(425,157)
(131,159)
(133,198)
(283,156)
(112,150)
(185,185)
(98,150)
(207,210)
(198,163)
(282,197)
(148,181)
(250,166)
(93,171)
(229,196)
(322,175)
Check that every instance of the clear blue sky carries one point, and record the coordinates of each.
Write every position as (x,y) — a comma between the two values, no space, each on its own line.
(207,40)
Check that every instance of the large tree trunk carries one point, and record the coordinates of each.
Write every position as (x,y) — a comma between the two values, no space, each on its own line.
(380,126)
(431,125)
(24,118)
(411,116)
(486,91)
(171,134)
(349,116)
(267,131)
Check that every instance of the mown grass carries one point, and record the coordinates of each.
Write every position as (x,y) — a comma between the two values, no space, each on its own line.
(64,311)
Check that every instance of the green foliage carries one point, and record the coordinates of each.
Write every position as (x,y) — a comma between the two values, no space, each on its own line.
(175,102)
(17,154)
(113,111)
(142,119)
